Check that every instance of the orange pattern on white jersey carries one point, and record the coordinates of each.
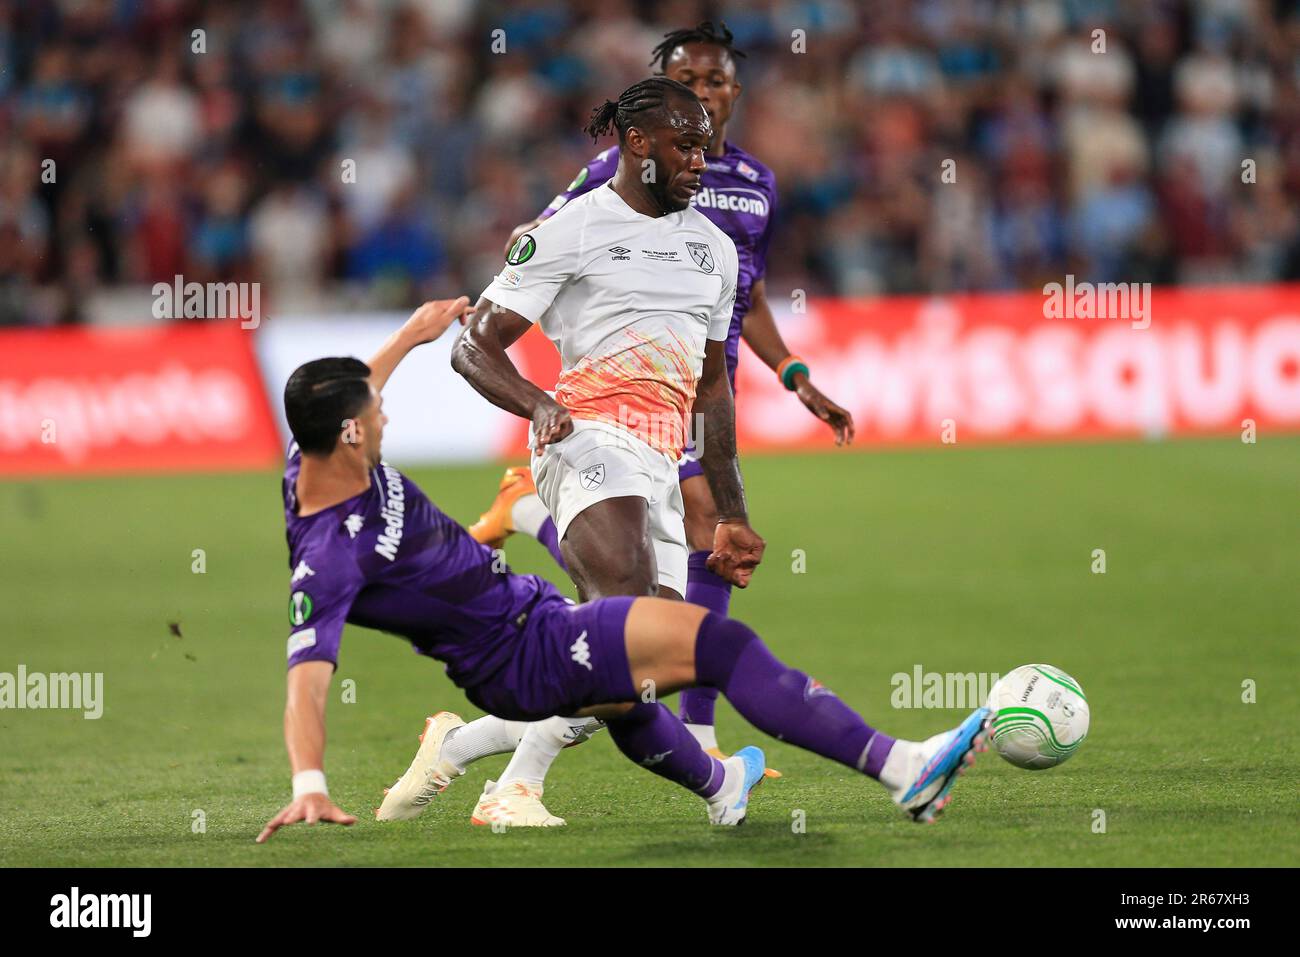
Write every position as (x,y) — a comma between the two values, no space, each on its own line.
(646,387)
(631,302)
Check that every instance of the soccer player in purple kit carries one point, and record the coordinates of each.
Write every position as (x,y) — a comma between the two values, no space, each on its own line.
(738,195)
(366,546)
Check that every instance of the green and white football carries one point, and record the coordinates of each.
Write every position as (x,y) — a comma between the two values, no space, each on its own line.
(1040,716)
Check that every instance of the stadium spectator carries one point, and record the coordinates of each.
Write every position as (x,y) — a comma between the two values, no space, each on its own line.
(1115,154)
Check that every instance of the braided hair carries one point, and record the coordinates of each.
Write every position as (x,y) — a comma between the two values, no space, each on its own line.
(638,100)
(700,33)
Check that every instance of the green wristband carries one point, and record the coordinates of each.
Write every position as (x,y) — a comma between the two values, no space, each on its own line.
(787,377)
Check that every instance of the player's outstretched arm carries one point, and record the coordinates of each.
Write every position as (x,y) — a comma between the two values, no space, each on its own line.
(480,356)
(425,324)
(737,548)
(304,737)
(765,339)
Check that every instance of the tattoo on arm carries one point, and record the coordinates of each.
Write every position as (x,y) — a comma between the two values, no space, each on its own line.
(716,410)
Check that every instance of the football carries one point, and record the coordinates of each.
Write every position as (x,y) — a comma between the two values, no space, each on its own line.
(1040,716)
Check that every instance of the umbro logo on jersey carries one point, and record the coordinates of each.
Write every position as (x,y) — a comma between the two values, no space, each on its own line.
(702,255)
(620,253)
(592,477)
(581,652)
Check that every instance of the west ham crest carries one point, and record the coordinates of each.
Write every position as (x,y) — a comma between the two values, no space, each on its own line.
(702,255)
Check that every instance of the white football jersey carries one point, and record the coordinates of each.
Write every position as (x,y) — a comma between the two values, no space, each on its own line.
(629,300)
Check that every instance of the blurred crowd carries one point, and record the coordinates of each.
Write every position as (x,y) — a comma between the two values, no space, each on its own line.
(368,153)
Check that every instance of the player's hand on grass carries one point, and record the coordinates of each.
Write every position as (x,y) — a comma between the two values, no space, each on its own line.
(519,231)
(737,550)
(432,319)
(551,423)
(837,417)
(309,808)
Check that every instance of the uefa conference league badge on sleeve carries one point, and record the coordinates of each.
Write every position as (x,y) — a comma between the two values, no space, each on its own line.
(519,253)
(522,250)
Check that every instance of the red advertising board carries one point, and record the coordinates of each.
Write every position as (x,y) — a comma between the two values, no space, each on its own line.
(999,368)
(180,397)
(971,368)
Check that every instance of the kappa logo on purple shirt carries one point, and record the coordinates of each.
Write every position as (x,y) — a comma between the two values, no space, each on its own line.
(581,651)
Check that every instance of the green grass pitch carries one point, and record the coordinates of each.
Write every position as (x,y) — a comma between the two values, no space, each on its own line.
(957,559)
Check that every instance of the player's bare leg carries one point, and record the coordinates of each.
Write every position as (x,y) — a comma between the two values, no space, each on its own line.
(608,551)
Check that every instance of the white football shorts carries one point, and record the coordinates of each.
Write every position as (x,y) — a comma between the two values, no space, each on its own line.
(598,461)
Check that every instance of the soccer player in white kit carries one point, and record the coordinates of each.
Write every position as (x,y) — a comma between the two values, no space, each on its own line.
(636,289)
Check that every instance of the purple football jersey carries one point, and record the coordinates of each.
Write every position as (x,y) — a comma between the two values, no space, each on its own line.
(389,559)
(737,194)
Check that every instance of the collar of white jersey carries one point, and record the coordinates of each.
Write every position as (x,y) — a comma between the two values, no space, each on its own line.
(608,198)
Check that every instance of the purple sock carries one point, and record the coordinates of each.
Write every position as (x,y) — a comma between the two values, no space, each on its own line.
(783,702)
(652,736)
(695,706)
(549,537)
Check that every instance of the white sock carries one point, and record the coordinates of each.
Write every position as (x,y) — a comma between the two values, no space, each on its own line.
(733,778)
(898,770)
(528,515)
(705,734)
(539,747)
(482,738)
